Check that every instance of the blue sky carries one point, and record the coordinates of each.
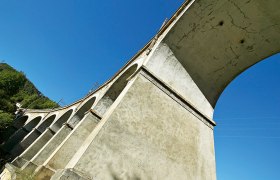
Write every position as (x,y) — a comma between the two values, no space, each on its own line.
(65,47)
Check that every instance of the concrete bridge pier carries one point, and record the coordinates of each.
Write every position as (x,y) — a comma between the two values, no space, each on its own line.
(54,161)
(47,149)
(71,144)
(17,124)
(62,155)
(149,133)
(14,139)
(31,151)
(157,111)
(23,144)
(20,134)
(32,136)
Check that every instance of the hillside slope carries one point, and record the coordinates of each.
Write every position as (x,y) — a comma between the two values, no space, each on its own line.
(16,88)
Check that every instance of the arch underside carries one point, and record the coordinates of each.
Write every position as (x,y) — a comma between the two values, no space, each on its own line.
(215,40)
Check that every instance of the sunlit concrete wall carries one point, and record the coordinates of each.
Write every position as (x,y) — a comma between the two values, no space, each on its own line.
(153,119)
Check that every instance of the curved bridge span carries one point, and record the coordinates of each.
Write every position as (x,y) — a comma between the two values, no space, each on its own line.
(154,118)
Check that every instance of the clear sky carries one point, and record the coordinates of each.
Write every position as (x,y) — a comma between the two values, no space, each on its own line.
(65,47)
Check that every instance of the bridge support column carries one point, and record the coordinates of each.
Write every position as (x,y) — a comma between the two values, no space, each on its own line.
(27,141)
(14,139)
(34,148)
(63,154)
(52,144)
(149,133)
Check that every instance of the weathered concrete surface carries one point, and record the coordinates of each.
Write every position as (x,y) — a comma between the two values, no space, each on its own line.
(164,64)
(23,144)
(14,139)
(52,144)
(215,40)
(71,144)
(32,136)
(114,91)
(150,136)
(69,174)
(6,174)
(20,134)
(43,173)
(157,110)
(32,150)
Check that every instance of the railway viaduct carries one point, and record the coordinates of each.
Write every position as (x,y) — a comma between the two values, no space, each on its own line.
(154,118)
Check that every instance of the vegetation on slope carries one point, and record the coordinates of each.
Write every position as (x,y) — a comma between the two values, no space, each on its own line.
(16,88)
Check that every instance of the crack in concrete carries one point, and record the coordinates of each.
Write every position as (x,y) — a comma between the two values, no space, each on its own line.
(236,56)
(247,2)
(186,35)
(207,7)
(232,63)
(217,70)
(210,12)
(240,27)
(239,9)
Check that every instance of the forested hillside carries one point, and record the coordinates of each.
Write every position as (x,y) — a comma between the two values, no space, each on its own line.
(16,88)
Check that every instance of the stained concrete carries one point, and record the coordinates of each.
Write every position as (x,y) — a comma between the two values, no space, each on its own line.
(164,64)
(216,40)
(27,141)
(71,144)
(47,150)
(149,136)
(32,150)
(157,110)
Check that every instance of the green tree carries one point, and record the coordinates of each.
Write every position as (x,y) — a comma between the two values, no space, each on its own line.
(15,87)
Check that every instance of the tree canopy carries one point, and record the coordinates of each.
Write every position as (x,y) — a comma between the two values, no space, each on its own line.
(15,87)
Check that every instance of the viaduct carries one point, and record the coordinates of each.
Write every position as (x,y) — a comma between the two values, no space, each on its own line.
(154,118)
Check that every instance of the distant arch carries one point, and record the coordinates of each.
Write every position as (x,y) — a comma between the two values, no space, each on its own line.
(58,124)
(46,123)
(85,107)
(30,125)
(118,86)
(115,90)
(19,122)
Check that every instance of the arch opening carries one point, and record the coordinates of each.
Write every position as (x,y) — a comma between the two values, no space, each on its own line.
(242,74)
(115,90)
(18,123)
(46,123)
(82,110)
(58,124)
(33,123)
(247,115)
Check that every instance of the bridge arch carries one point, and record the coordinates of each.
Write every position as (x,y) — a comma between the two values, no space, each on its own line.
(46,123)
(115,89)
(223,41)
(31,124)
(19,122)
(62,119)
(80,112)
(248,122)
(85,107)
